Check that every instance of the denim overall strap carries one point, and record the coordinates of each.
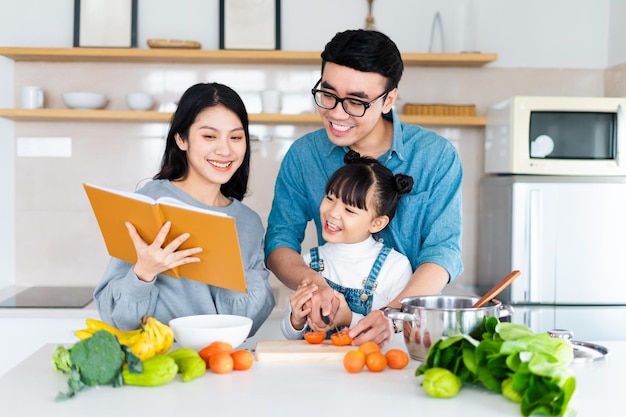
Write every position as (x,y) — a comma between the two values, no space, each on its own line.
(316,263)
(360,299)
(370,283)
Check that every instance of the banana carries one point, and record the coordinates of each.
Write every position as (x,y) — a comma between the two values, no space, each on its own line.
(152,338)
(83,334)
(145,347)
(94,324)
(128,337)
(164,334)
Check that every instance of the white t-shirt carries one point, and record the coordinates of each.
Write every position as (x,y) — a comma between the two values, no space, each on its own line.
(348,265)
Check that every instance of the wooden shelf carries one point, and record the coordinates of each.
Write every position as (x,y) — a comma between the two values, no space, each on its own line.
(223,56)
(67,115)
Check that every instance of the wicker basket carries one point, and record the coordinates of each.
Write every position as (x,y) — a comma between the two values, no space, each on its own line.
(440,109)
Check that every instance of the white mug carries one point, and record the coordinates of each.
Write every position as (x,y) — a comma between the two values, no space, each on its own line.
(271,101)
(32,97)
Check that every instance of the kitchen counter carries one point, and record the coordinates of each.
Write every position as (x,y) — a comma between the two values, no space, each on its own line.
(288,388)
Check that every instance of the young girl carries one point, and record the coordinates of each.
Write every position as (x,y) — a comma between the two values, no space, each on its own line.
(205,164)
(361,199)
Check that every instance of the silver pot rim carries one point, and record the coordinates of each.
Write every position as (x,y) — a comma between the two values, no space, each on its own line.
(407,302)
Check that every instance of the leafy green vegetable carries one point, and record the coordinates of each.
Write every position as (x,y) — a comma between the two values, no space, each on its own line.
(93,361)
(510,359)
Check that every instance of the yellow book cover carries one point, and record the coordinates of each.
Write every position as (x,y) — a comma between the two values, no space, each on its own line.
(220,260)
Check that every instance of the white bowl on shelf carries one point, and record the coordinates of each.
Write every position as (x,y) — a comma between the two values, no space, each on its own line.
(84,100)
(199,331)
(139,101)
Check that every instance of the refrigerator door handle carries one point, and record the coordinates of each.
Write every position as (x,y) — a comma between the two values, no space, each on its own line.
(535,223)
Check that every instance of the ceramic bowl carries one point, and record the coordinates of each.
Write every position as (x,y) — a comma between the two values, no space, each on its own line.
(84,100)
(197,332)
(139,101)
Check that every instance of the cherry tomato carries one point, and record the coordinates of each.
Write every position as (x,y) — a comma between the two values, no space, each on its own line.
(341,338)
(315,337)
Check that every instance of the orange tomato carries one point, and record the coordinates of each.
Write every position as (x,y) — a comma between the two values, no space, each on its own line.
(242,360)
(341,338)
(396,358)
(354,361)
(208,351)
(376,361)
(221,362)
(315,337)
(369,347)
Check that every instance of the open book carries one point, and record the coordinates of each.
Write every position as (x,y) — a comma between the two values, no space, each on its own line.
(221,264)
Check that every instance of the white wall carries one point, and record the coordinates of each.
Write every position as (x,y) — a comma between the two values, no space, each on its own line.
(617,34)
(530,33)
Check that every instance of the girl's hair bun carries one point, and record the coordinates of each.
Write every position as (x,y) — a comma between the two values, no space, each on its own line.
(352,157)
(404,183)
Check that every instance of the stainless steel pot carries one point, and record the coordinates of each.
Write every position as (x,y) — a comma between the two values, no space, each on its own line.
(429,318)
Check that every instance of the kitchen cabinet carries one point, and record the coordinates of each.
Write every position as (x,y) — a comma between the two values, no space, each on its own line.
(197,56)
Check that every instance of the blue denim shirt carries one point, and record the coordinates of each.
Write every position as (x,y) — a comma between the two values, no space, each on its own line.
(427,226)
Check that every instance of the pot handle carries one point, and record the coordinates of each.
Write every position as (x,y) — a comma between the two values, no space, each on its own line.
(505,310)
(397,314)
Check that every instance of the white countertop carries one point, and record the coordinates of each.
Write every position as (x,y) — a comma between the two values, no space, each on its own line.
(302,389)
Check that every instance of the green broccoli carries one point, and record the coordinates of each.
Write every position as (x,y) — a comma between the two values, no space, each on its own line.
(94,361)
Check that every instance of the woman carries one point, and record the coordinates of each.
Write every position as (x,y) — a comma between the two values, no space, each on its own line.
(206,164)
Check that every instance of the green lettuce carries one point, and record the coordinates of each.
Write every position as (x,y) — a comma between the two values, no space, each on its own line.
(528,368)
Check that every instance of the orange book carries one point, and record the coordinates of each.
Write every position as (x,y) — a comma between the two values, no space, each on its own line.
(220,260)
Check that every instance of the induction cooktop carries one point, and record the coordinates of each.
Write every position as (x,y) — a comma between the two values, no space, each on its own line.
(50,297)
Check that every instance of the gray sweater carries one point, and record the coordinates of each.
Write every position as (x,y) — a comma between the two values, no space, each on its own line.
(122,298)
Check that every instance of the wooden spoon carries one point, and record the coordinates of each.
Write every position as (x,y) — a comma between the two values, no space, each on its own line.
(497,289)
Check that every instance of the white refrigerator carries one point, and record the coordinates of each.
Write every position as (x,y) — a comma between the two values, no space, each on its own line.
(567,236)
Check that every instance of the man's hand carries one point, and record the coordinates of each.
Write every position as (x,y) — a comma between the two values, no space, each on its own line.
(291,270)
(375,327)
(323,303)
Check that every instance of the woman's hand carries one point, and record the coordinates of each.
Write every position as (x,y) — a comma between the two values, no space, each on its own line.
(299,310)
(152,259)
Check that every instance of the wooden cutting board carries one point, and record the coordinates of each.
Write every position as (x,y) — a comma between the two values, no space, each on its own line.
(298,351)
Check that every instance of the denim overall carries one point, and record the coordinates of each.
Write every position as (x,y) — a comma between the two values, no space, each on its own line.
(359,300)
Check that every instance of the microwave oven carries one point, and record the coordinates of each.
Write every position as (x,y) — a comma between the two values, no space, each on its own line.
(534,135)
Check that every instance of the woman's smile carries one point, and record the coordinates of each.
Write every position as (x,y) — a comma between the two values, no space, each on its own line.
(222,166)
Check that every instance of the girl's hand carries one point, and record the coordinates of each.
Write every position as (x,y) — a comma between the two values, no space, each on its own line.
(298,300)
(152,259)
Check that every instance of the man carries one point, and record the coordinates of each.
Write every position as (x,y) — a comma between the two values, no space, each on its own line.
(359,85)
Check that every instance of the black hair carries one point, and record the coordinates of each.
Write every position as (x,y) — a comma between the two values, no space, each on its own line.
(366,51)
(353,181)
(174,165)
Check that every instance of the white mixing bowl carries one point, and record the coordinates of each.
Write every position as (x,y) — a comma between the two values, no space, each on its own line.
(84,100)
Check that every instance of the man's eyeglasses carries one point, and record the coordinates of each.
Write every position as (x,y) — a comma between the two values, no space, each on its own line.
(352,106)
